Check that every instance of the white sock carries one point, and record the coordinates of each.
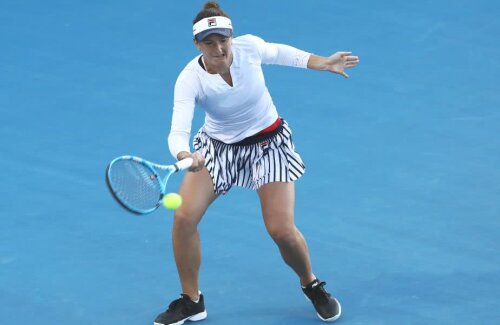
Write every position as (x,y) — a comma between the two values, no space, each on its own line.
(315,278)
(197,300)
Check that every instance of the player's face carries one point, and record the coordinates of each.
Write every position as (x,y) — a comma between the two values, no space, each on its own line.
(216,51)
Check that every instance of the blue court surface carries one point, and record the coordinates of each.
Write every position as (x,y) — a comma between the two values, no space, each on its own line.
(400,203)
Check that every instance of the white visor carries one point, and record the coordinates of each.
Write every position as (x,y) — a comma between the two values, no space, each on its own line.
(212,25)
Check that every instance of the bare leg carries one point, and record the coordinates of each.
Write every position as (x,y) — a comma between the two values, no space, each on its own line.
(197,194)
(277,202)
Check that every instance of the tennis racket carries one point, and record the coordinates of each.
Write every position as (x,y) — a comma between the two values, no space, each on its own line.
(139,185)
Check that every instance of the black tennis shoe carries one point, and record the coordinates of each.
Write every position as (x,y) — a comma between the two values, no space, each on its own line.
(327,307)
(181,310)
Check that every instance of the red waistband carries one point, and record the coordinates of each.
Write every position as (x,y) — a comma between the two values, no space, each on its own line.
(271,127)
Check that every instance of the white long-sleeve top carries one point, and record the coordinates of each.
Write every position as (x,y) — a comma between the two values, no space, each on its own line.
(232,113)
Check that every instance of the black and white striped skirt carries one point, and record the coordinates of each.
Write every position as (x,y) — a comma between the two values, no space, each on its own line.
(252,162)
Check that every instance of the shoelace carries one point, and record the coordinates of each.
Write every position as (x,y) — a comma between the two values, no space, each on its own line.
(318,292)
(177,302)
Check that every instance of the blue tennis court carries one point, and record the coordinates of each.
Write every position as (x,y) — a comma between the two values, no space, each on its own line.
(400,203)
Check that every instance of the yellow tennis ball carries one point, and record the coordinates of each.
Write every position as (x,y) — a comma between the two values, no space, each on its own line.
(172,201)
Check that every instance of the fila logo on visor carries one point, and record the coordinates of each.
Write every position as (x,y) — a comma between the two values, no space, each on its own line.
(212,22)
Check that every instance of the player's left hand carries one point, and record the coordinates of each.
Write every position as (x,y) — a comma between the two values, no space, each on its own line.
(340,61)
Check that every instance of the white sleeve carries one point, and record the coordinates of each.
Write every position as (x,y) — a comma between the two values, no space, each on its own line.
(182,117)
(281,54)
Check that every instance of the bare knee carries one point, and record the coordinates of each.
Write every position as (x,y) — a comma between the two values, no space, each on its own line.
(283,235)
(280,225)
(185,221)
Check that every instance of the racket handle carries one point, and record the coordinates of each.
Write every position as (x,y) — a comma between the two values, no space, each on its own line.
(184,164)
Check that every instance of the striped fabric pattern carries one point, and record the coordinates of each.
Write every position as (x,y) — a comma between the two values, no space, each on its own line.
(250,166)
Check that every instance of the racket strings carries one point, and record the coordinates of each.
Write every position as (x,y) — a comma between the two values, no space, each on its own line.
(135,185)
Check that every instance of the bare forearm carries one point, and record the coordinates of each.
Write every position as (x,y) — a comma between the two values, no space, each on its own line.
(316,62)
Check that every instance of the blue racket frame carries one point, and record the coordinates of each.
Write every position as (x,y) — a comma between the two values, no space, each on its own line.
(153,168)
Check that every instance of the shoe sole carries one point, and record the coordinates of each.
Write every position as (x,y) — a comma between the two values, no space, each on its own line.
(194,318)
(331,319)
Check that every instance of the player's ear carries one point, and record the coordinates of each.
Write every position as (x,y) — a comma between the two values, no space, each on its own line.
(197,44)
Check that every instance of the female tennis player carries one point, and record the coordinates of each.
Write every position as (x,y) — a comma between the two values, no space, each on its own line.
(243,142)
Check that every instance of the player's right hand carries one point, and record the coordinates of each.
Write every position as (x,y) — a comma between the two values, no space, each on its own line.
(198,162)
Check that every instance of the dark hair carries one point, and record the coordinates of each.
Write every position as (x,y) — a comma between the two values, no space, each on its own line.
(210,9)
